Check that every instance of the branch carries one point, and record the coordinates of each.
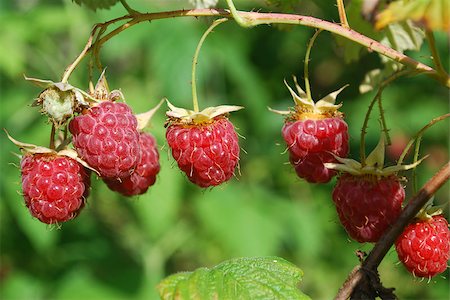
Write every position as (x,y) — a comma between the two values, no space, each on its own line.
(381,248)
(256,18)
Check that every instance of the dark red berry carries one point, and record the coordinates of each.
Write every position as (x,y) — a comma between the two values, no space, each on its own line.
(145,173)
(207,153)
(55,187)
(368,205)
(106,137)
(310,142)
(424,246)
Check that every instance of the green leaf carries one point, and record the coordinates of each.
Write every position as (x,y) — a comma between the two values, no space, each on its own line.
(239,278)
(401,37)
(433,14)
(95,4)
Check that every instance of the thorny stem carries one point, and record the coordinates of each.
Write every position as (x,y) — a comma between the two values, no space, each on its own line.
(383,122)
(237,15)
(308,52)
(127,7)
(434,52)
(52,138)
(194,61)
(416,157)
(342,14)
(418,134)
(83,53)
(383,245)
(98,30)
(257,18)
(383,84)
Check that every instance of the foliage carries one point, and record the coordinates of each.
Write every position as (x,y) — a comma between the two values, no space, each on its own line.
(434,14)
(121,248)
(96,4)
(251,278)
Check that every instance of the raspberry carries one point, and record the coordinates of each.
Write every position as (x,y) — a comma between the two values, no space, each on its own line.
(208,153)
(145,173)
(424,246)
(310,142)
(106,137)
(367,205)
(54,187)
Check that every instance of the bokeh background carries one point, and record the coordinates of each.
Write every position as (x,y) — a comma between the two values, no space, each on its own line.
(120,248)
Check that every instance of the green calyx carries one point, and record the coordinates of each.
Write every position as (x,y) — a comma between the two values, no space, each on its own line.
(33,149)
(191,117)
(429,211)
(373,165)
(305,107)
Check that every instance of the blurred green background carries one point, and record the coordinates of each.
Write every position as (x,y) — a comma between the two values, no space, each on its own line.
(120,248)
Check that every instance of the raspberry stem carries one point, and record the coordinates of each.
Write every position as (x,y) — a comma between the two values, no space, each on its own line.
(416,158)
(383,84)
(418,134)
(435,54)
(342,15)
(249,19)
(194,61)
(308,52)
(52,137)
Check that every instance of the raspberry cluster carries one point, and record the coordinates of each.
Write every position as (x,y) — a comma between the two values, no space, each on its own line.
(106,136)
(108,139)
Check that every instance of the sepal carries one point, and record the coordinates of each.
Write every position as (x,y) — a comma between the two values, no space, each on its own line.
(187,116)
(143,119)
(305,104)
(374,164)
(80,95)
(33,149)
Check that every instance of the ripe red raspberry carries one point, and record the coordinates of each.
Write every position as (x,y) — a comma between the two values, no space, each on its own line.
(145,173)
(368,205)
(55,187)
(424,246)
(106,137)
(208,153)
(310,142)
